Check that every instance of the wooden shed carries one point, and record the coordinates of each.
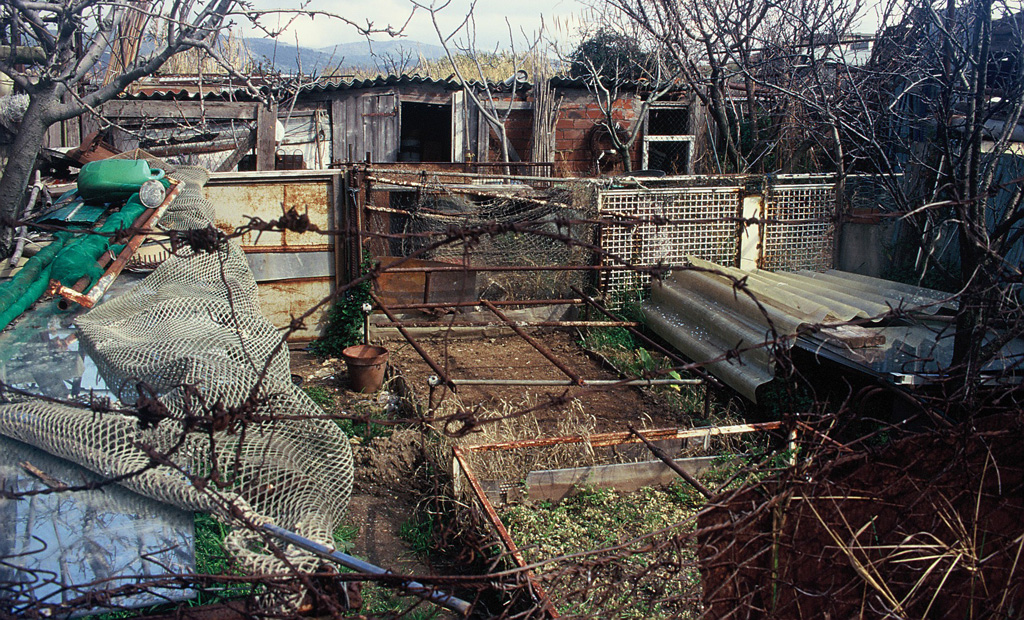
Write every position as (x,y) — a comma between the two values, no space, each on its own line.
(414,120)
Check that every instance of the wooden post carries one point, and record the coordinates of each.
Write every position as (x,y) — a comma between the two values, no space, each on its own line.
(266,129)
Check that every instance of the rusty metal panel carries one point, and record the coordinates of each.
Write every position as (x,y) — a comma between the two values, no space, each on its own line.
(282,299)
(268,201)
(439,286)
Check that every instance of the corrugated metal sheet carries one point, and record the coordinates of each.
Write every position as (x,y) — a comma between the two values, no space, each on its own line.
(172,92)
(703,314)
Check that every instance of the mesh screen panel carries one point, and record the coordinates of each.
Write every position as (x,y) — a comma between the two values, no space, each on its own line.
(407,226)
(803,238)
(191,335)
(703,225)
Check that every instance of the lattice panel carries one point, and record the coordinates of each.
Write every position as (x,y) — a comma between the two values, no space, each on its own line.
(702,224)
(804,236)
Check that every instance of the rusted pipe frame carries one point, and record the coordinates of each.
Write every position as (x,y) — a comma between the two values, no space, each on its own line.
(462,190)
(614,439)
(467,304)
(502,324)
(603,439)
(668,461)
(492,515)
(88,300)
(643,338)
(586,382)
(543,350)
(441,374)
(477,175)
(515,268)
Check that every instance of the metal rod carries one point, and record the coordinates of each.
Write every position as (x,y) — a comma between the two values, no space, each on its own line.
(543,350)
(475,190)
(412,587)
(518,268)
(586,382)
(482,175)
(441,374)
(492,515)
(64,303)
(465,304)
(89,299)
(502,324)
(667,460)
(643,338)
(614,439)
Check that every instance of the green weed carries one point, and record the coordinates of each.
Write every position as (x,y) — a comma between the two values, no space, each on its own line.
(345,318)
(321,396)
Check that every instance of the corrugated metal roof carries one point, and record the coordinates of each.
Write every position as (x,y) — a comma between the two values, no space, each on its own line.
(706,316)
(178,92)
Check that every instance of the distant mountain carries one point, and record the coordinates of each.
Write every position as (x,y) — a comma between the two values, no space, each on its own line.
(286,57)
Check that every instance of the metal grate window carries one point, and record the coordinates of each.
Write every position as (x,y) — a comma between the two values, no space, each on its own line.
(803,236)
(702,224)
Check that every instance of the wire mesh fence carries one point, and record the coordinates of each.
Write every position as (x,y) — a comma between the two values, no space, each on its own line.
(703,224)
(799,227)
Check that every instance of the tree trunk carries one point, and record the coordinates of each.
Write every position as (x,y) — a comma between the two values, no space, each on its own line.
(18,171)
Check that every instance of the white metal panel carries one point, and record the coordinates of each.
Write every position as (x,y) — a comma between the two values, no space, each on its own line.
(459,130)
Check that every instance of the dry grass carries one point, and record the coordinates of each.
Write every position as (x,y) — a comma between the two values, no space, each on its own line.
(503,423)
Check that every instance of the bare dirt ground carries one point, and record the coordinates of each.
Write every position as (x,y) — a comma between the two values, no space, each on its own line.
(389,470)
(511,357)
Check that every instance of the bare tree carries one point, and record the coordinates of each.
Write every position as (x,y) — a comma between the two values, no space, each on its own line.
(713,48)
(70,41)
(478,89)
(613,64)
(933,111)
(54,51)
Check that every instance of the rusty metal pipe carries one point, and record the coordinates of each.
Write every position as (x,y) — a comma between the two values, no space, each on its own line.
(502,324)
(89,299)
(515,268)
(586,382)
(415,345)
(492,515)
(614,439)
(643,338)
(543,350)
(469,304)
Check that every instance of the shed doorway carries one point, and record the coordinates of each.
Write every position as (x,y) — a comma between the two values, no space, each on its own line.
(426,132)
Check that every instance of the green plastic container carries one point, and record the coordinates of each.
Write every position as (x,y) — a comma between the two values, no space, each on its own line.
(108,180)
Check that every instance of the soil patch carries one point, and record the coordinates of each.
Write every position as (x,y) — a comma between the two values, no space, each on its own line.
(511,357)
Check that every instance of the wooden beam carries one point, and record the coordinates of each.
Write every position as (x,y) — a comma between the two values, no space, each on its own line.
(129,110)
(266,128)
(557,484)
(236,156)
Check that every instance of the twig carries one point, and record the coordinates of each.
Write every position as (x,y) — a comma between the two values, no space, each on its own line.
(44,477)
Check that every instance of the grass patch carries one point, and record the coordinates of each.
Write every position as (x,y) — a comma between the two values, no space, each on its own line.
(638,581)
(365,421)
(321,396)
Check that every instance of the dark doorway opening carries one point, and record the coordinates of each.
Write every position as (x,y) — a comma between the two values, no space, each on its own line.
(426,132)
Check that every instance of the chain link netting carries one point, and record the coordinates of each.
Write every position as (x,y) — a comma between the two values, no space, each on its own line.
(214,406)
(546,240)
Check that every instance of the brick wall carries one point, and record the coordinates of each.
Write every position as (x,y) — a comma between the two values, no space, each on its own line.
(577,117)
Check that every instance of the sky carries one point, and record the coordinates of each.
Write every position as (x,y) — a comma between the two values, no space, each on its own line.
(561,20)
